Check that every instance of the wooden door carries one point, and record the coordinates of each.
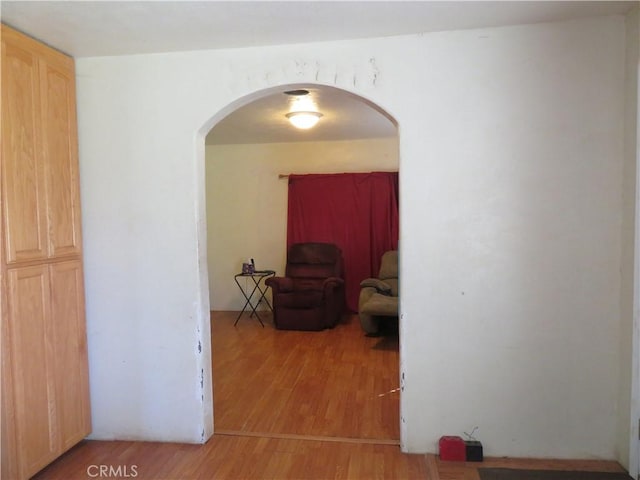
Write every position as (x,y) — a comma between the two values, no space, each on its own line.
(60,153)
(8,465)
(31,372)
(70,348)
(25,215)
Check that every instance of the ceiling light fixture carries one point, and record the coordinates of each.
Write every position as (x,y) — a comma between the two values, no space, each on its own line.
(304,120)
(297,93)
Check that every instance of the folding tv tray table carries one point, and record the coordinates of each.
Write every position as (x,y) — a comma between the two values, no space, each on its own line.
(248,291)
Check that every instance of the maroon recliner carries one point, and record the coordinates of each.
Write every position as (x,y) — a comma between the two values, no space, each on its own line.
(311,295)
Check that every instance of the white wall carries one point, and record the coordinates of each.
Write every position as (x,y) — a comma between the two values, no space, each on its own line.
(511,162)
(247,201)
(520,250)
(630,346)
(628,231)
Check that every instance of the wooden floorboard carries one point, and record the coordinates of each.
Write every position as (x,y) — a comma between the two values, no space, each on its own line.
(251,457)
(334,383)
(291,405)
(238,457)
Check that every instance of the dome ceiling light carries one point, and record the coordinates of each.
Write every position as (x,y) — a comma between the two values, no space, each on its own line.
(304,120)
(303,112)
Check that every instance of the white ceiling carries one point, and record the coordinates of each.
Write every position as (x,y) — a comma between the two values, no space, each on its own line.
(99,28)
(96,28)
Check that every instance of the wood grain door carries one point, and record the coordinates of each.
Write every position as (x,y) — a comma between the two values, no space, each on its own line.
(60,154)
(33,385)
(48,362)
(70,348)
(24,203)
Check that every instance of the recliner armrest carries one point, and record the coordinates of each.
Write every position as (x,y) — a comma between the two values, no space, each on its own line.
(365,294)
(380,285)
(279,284)
(332,283)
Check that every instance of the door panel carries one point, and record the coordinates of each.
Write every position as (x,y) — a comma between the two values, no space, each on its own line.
(22,172)
(70,361)
(61,159)
(33,386)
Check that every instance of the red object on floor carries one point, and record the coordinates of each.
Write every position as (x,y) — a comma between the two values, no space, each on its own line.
(452,449)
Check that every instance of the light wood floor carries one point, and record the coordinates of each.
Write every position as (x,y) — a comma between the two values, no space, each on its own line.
(334,383)
(261,458)
(291,405)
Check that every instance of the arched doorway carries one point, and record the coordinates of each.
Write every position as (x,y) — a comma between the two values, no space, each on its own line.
(246,203)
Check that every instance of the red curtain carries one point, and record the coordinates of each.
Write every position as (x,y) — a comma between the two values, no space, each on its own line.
(356,211)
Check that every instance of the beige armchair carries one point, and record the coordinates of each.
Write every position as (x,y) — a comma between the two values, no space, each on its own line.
(379,296)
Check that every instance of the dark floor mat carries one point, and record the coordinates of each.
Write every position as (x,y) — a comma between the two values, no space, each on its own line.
(514,474)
